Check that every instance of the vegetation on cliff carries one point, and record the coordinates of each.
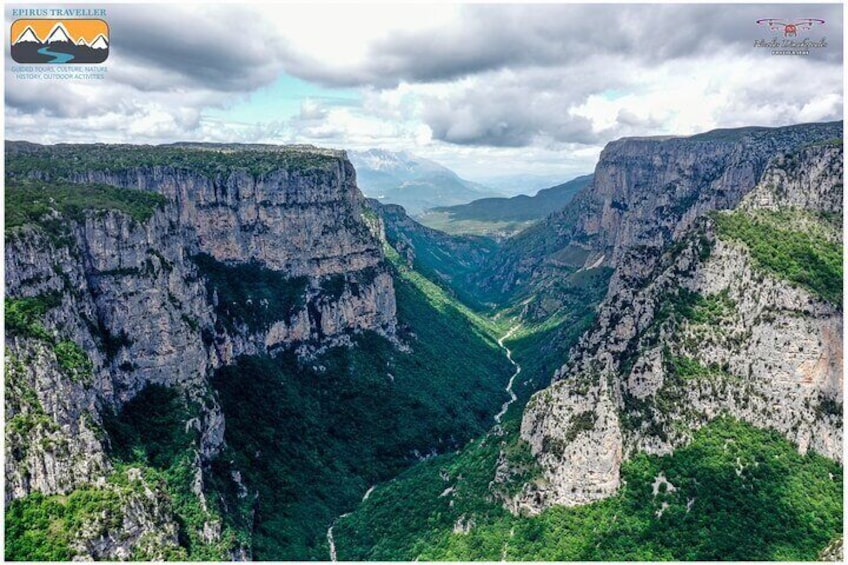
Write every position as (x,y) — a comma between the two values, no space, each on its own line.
(803,257)
(34,202)
(209,160)
(735,492)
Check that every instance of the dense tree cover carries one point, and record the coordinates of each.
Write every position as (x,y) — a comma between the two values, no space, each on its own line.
(31,202)
(150,428)
(210,160)
(41,528)
(736,493)
(799,256)
(310,437)
(250,294)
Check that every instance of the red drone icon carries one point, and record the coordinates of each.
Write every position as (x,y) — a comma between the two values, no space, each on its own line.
(790,30)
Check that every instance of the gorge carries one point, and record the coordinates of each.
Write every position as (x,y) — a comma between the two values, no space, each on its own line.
(222,351)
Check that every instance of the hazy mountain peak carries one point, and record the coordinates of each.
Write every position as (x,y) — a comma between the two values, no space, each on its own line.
(416,183)
(393,161)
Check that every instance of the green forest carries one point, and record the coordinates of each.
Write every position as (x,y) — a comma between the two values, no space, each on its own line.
(737,493)
(311,438)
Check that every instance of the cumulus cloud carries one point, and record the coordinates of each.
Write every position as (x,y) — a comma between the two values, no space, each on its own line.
(468,84)
(504,111)
(489,38)
(164,68)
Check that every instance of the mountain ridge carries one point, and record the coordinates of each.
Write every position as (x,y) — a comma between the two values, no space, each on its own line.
(415,183)
(503,213)
(620,368)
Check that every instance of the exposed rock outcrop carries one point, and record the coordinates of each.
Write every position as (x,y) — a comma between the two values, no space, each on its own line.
(692,332)
(137,301)
(646,193)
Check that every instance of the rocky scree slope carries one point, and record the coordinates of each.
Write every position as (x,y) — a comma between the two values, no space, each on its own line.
(742,315)
(108,298)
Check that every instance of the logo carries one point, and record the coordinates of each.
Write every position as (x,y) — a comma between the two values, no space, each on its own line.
(60,41)
(790,43)
(790,29)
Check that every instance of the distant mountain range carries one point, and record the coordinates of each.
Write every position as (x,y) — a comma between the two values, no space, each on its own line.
(519,208)
(521,183)
(503,217)
(417,184)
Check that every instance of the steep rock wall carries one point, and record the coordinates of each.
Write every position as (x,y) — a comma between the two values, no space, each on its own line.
(646,192)
(125,303)
(690,333)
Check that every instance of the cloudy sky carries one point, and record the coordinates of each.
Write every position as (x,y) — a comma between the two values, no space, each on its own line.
(484,89)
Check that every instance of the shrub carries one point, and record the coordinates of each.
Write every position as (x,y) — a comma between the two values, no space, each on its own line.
(802,257)
(73,360)
(30,202)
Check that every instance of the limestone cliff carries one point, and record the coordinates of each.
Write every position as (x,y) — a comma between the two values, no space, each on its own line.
(704,326)
(109,301)
(646,192)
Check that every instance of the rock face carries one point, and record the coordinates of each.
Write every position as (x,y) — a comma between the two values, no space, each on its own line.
(696,329)
(140,527)
(448,258)
(298,222)
(136,296)
(646,192)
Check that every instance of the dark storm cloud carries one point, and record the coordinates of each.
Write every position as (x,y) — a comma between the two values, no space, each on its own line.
(487,38)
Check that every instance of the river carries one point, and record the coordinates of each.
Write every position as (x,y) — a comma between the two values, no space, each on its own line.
(512,397)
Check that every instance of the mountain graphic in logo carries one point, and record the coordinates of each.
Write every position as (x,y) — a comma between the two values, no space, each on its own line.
(60,41)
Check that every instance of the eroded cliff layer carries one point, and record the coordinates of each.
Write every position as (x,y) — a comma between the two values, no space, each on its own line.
(132,266)
(742,315)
